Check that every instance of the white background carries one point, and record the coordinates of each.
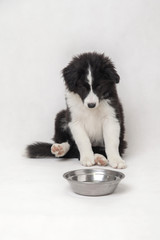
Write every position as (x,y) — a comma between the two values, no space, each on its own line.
(37,39)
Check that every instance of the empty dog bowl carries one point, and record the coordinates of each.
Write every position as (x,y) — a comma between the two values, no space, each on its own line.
(93,182)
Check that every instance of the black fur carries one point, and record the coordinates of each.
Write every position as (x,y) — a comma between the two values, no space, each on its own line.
(103,73)
(104,79)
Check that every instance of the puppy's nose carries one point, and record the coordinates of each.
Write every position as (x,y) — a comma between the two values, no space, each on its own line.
(91,105)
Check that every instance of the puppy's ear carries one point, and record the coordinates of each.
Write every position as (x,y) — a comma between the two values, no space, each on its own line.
(113,75)
(70,77)
(109,70)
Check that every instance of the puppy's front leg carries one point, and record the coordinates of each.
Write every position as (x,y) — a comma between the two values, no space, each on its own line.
(111,133)
(83,144)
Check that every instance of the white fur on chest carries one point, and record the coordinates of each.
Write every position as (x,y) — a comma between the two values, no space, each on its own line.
(93,123)
(90,119)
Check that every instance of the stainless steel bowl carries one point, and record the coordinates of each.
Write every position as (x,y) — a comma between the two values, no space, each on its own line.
(93,182)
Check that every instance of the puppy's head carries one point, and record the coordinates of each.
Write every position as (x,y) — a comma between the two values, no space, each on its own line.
(92,76)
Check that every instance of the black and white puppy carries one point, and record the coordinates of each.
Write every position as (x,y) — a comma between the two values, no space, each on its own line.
(92,126)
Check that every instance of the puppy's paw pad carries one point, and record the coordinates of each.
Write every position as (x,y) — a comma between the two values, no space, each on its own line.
(100,160)
(117,162)
(57,150)
(87,161)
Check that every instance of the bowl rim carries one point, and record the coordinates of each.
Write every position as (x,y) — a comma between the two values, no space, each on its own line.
(94,169)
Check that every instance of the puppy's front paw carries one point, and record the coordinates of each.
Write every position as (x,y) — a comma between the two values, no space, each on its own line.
(117,162)
(87,160)
(100,160)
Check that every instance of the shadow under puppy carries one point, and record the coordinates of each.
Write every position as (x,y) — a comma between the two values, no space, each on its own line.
(92,126)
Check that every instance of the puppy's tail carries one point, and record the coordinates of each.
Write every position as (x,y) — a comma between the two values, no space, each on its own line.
(39,150)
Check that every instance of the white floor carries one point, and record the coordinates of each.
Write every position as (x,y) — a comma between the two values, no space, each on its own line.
(37,203)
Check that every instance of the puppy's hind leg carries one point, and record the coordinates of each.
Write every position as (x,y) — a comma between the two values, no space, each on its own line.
(60,149)
(62,138)
(62,142)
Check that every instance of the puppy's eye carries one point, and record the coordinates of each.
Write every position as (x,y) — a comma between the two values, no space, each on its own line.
(96,86)
(83,86)
(99,87)
(106,94)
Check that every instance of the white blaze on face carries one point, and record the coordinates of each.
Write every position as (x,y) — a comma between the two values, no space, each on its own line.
(91,101)
(89,77)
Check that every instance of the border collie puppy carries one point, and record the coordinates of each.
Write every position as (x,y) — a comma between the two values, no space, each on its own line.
(92,126)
